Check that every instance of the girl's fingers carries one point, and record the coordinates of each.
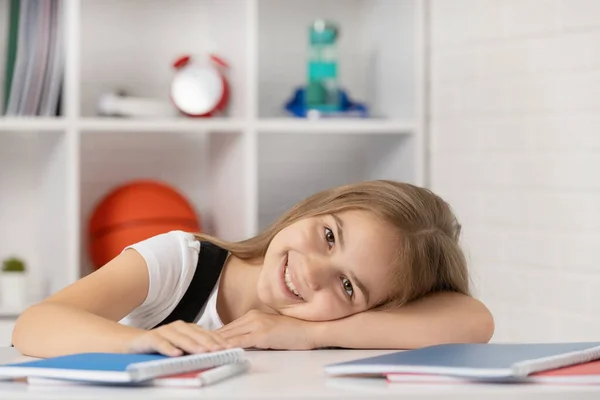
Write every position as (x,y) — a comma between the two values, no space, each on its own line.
(215,336)
(244,341)
(184,341)
(219,339)
(201,337)
(235,331)
(177,338)
(165,347)
(232,325)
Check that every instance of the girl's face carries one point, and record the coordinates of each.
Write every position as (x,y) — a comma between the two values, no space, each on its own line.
(329,266)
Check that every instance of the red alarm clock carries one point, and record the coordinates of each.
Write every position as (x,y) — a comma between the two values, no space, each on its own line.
(200,87)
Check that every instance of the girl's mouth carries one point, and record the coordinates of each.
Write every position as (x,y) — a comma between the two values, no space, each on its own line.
(288,283)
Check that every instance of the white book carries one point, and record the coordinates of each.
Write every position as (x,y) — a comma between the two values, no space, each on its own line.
(53,78)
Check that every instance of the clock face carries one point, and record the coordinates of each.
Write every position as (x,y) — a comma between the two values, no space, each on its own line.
(197,90)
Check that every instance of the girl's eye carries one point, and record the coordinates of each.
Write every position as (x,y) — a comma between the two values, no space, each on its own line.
(347,285)
(329,237)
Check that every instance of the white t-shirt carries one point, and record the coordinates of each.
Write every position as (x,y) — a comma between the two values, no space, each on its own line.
(171,259)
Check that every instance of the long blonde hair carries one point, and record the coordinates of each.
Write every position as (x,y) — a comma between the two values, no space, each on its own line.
(429,257)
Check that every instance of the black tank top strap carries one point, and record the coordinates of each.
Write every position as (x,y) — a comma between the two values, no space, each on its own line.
(211,260)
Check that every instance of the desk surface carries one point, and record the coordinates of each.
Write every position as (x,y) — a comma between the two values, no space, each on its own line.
(297,374)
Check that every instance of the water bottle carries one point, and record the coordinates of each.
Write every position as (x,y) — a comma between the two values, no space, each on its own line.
(322,90)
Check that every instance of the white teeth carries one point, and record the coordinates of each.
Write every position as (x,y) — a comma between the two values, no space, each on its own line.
(289,283)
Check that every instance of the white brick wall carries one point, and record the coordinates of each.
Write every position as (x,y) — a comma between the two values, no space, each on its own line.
(515,148)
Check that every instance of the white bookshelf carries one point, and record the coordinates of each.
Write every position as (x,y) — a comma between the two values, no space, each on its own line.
(240,170)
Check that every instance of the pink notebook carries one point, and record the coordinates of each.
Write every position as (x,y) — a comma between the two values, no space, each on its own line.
(585,373)
(203,377)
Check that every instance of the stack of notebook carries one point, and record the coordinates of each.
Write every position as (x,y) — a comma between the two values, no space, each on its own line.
(493,362)
(193,370)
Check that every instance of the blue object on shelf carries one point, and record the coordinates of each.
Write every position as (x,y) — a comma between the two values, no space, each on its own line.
(349,109)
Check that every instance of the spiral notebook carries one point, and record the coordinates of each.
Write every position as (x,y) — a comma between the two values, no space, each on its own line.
(118,368)
(496,361)
(195,379)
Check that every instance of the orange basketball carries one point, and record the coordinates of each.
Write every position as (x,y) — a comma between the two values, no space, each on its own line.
(134,212)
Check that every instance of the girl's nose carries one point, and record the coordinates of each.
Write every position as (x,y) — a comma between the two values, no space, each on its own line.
(317,274)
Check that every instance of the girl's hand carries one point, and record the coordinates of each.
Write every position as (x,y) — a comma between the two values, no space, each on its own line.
(269,331)
(177,338)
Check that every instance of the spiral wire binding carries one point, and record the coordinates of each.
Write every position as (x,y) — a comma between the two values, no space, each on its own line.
(152,369)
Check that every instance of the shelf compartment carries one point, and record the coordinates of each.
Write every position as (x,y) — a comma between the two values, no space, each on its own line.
(132,45)
(377,48)
(342,126)
(34,210)
(207,169)
(293,166)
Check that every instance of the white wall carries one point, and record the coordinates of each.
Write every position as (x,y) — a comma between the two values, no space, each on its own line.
(515,137)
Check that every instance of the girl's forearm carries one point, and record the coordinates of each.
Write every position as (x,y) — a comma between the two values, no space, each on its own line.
(50,329)
(441,318)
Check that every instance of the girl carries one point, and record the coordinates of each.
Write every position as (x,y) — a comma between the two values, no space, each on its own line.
(369,265)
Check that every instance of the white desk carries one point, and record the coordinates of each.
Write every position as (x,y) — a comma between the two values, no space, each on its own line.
(279,374)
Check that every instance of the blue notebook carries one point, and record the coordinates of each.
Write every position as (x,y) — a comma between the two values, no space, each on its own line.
(483,361)
(118,368)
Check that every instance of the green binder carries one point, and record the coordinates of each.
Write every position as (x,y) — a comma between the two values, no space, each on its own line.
(11,54)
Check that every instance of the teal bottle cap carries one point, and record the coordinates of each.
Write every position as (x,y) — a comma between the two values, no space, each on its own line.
(323,32)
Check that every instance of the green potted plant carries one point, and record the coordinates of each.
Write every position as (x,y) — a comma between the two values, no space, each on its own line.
(13,264)
(13,284)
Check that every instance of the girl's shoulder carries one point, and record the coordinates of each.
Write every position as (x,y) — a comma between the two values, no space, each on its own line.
(171,259)
(171,242)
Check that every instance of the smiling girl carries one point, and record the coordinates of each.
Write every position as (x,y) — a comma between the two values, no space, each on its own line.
(373,264)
